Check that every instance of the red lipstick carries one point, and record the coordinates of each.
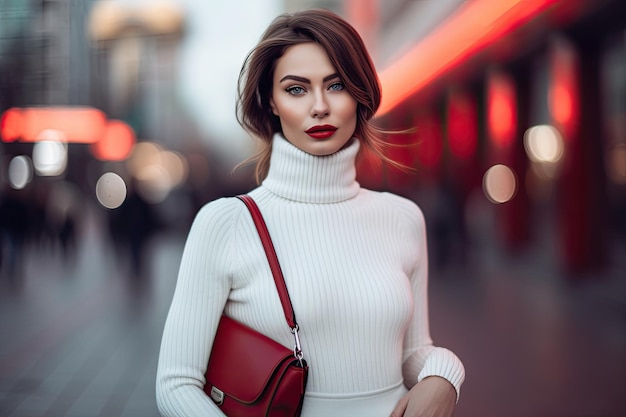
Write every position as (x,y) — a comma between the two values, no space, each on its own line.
(321,131)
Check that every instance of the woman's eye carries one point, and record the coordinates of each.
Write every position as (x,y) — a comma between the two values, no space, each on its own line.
(336,87)
(295,90)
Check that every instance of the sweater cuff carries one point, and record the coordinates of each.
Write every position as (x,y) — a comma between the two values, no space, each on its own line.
(443,363)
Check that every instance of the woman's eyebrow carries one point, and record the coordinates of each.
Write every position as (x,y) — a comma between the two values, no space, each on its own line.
(306,80)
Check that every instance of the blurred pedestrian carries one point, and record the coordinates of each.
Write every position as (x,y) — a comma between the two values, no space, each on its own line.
(63,215)
(354,260)
(14,233)
(132,227)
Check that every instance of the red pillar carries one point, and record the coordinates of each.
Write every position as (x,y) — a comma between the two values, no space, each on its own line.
(575,106)
(507,118)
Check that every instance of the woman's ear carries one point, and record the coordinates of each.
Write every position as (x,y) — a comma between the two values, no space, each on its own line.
(273,107)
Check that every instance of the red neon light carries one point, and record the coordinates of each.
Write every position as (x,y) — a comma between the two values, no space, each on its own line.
(116,143)
(475,25)
(563,93)
(501,110)
(562,103)
(11,125)
(74,124)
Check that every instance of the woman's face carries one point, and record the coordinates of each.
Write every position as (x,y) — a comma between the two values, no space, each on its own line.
(316,112)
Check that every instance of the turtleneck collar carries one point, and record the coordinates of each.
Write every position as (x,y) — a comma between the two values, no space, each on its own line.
(300,176)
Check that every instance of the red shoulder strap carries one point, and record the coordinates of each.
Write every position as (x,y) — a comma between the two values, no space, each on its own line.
(266,240)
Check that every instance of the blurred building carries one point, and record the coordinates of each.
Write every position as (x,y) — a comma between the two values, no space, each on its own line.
(45,60)
(518,109)
(136,53)
(44,53)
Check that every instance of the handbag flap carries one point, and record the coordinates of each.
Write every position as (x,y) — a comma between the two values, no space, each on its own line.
(240,352)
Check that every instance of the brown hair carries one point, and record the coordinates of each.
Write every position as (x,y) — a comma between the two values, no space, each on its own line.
(347,53)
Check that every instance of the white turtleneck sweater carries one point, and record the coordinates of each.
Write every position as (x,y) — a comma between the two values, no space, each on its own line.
(355,264)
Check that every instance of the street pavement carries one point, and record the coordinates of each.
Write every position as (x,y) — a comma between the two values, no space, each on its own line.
(81,338)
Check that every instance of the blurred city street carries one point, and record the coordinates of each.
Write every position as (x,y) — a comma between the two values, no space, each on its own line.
(82,338)
(117,123)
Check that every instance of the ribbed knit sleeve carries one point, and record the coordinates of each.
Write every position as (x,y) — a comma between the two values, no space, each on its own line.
(420,357)
(201,292)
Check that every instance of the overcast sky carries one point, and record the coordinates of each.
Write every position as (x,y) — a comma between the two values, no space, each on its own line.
(219,34)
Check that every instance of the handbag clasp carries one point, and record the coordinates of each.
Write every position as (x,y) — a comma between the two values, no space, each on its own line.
(217,396)
(297,349)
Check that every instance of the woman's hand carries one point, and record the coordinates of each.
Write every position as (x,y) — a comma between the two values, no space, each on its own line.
(432,397)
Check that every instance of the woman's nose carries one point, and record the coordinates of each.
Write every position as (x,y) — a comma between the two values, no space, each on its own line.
(320,107)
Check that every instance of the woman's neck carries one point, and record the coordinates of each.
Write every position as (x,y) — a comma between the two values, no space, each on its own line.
(299,176)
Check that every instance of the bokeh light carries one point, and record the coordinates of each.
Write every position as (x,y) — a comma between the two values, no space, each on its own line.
(543,143)
(79,124)
(153,183)
(116,143)
(563,91)
(499,184)
(11,125)
(176,166)
(156,171)
(50,157)
(20,172)
(501,109)
(144,155)
(111,190)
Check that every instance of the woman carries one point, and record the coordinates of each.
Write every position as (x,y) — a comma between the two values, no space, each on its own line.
(354,260)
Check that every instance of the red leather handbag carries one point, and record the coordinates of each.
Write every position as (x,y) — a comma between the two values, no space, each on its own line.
(249,374)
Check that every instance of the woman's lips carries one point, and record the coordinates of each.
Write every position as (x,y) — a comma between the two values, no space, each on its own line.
(321,132)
